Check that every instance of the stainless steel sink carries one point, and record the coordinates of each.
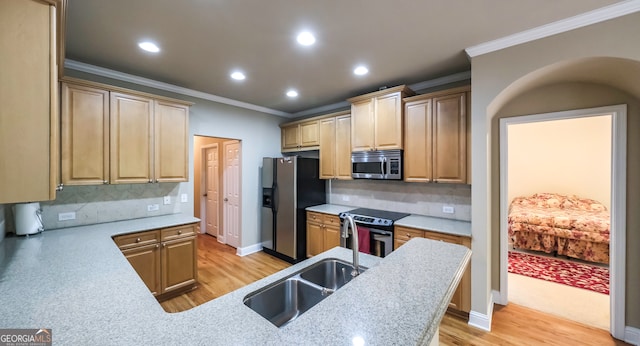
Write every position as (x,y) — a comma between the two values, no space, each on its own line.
(331,274)
(288,298)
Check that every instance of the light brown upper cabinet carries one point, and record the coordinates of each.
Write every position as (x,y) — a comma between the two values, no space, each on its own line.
(300,135)
(435,137)
(85,135)
(335,146)
(29,130)
(172,129)
(131,138)
(376,119)
(117,136)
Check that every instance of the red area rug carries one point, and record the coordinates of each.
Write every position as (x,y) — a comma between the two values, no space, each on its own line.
(573,274)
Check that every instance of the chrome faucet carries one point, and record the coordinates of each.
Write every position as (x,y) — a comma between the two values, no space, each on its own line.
(350,223)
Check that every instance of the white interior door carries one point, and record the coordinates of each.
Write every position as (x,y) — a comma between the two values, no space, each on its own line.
(212,194)
(231,200)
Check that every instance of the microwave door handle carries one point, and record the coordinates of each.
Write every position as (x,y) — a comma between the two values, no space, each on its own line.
(383,166)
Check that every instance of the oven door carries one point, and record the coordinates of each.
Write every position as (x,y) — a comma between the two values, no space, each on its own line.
(380,242)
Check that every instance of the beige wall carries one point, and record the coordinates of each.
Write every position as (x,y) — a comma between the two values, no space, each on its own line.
(569,156)
(605,64)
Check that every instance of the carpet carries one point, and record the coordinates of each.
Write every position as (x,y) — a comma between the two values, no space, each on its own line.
(573,274)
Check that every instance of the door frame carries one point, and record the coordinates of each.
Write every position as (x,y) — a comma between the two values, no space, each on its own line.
(203,188)
(617,244)
(224,190)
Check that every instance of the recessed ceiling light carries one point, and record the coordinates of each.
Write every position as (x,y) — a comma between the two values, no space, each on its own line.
(292,93)
(306,38)
(149,46)
(237,75)
(360,70)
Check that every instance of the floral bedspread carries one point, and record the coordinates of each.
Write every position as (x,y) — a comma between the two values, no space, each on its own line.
(569,225)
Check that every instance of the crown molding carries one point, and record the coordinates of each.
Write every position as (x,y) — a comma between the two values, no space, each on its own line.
(125,77)
(588,18)
(456,77)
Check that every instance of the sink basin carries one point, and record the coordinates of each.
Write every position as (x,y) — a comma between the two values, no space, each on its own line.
(288,298)
(284,301)
(331,273)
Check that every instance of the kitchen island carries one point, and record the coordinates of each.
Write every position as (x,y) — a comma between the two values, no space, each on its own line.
(77,282)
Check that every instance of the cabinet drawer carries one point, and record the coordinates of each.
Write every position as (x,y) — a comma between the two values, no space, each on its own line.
(407,234)
(312,216)
(331,220)
(177,232)
(443,237)
(128,241)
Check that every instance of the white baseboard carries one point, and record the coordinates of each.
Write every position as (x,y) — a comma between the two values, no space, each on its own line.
(480,320)
(248,250)
(498,298)
(632,335)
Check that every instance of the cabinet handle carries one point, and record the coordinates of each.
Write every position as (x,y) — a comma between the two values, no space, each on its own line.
(408,235)
(60,187)
(137,240)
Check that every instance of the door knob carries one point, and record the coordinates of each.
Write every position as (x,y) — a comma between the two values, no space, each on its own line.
(226,199)
(205,195)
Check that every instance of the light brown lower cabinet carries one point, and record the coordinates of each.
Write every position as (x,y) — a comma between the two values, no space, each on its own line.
(461,300)
(323,232)
(165,259)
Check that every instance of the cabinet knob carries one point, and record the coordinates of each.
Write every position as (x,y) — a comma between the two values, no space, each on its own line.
(164,244)
(408,235)
(137,240)
(157,246)
(179,231)
(150,181)
(60,187)
(157,181)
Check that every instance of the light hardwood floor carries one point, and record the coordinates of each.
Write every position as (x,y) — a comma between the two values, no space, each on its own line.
(220,271)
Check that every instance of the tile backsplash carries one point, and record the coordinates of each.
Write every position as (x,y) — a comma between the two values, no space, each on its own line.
(414,198)
(105,203)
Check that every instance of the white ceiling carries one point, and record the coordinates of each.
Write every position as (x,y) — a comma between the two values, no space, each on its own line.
(202,41)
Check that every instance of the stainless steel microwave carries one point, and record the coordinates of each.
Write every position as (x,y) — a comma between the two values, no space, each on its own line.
(382,164)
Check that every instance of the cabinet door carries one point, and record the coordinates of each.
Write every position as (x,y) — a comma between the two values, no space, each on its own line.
(417,142)
(331,237)
(449,139)
(171,122)
(28,102)
(461,299)
(309,134)
(290,137)
(179,264)
(146,262)
(85,135)
(362,126)
(343,147)
(327,148)
(131,138)
(388,122)
(315,238)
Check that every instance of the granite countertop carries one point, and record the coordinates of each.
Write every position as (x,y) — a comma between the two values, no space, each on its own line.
(428,223)
(436,224)
(333,209)
(77,282)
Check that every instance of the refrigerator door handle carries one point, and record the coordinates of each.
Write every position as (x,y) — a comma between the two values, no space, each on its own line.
(276,198)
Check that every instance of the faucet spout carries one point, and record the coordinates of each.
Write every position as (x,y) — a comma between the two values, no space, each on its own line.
(350,223)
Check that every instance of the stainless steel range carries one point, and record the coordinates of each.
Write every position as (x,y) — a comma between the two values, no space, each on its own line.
(379,224)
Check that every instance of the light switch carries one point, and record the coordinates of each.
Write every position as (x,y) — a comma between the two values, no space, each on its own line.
(184,198)
(167,200)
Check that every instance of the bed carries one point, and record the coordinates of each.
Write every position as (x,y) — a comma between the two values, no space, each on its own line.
(567,225)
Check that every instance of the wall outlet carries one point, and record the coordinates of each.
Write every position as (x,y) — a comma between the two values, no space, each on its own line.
(447,209)
(167,200)
(67,216)
(184,198)
(153,207)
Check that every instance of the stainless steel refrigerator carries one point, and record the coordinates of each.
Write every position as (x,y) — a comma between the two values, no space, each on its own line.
(289,185)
